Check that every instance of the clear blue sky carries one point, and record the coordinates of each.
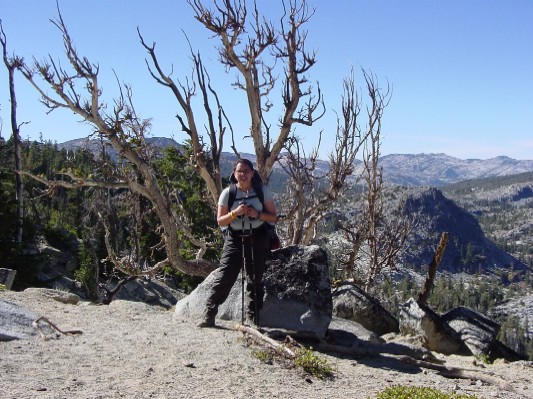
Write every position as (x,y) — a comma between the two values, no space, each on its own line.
(461,71)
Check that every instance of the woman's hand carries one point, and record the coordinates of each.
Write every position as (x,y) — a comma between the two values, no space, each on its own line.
(246,210)
(241,210)
(252,213)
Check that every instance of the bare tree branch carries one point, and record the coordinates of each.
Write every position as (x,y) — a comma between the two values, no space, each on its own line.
(209,168)
(247,53)
(376,236)
(311,194)
(126,132)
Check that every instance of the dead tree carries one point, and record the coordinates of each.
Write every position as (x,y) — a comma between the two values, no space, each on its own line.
(432,270)
(246,40)
(302,179)
(217,122)
(377,237)
(12,63)
(125,130)
(247,53)
(310,194)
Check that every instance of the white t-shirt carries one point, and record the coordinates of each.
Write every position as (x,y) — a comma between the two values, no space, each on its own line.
(250,198)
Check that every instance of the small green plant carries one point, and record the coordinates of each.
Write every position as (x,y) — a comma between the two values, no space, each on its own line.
(2,287)
(483,358)
(304,358)
(85,274)
(264,356)
(312,364)
(412,392)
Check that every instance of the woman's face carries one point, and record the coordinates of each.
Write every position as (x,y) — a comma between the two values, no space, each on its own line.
(243,173)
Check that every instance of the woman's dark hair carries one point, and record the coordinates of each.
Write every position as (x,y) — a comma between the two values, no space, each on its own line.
(256,179)
(245,162)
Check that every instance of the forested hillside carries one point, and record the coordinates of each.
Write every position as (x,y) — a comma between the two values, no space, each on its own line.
(504,208)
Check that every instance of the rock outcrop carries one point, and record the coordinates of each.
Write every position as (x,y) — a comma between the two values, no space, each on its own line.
(478,332)
(297,293)
(352,303)
(435,334)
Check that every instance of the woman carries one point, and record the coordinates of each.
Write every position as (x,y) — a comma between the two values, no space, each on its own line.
(245,222)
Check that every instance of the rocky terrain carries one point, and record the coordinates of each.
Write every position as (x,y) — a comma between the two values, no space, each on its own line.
(134,350)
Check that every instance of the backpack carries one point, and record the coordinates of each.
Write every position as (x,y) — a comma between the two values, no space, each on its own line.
(257,184)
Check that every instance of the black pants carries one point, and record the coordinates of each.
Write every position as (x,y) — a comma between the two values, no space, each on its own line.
(231,263)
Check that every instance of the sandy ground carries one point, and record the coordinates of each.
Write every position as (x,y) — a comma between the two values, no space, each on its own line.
(132,350)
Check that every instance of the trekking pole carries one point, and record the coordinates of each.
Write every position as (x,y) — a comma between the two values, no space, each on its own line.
(243,268)
(243,265)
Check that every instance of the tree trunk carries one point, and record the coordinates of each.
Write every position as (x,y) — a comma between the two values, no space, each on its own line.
(432,270)
(11,65)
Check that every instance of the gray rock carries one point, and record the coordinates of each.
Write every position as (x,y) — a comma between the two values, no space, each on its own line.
(435,334)
(6,277)
(297,293)
(16,322)
(352,303)
(397,344)
(349,333)
(476,330)
(501,351)
(150,297)
(151,291)
(193,305)
(56,295)
(298,290)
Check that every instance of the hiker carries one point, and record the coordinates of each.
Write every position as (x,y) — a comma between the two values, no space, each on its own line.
(244,210)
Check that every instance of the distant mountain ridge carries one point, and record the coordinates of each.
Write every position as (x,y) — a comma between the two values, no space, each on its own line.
(435,170)
(441,169)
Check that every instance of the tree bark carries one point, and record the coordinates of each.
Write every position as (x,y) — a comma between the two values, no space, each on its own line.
(432,270)
(11,65)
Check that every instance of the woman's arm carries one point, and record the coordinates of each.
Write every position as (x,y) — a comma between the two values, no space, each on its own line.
(225,217)
(268,214)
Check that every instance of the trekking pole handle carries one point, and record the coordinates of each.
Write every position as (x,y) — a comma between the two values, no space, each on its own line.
(241,210)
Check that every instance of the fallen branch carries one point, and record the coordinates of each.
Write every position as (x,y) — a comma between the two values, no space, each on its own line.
(386,352)
(55,327)
(282,334)
(459,372)
(263,338)
(414,359)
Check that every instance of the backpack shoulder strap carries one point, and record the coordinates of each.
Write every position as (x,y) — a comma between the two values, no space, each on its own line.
(232,194)
(257,184)
(260,194)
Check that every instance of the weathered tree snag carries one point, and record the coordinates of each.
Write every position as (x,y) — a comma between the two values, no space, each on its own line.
(432,270)
(12,63)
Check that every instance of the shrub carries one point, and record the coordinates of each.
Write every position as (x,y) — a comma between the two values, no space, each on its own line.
(312,364)
(412,392)
(304,358)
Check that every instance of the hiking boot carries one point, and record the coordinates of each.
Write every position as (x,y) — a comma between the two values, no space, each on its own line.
(251,320)
(208,317)
(207,321)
